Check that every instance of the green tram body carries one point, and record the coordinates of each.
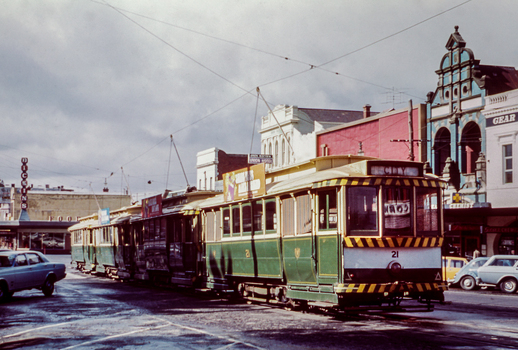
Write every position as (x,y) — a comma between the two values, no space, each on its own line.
(317,249)
(105,248)
(362,234)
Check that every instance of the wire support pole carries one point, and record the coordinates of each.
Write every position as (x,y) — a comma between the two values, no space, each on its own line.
(169,163)
(178,154)
(274,117)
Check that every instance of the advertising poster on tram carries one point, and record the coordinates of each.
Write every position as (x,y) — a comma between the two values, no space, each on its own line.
(244,183)
(152,206)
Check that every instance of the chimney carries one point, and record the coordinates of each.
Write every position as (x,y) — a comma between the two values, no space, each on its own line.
(366,111)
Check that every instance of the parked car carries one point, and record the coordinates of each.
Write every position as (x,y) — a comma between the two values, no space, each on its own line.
(500,271)
(21,270)
(451,265)
(466,278)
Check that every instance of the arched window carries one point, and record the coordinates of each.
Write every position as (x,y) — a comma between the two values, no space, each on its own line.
(283,152)
(270,152)
(289,152)
(442,150)
(470,144)
(276,156)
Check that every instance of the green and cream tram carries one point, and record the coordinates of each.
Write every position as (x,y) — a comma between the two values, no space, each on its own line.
(368,232)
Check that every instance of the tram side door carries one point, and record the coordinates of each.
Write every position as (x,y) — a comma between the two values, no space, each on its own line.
(190,254)
(298,240)
(89,249)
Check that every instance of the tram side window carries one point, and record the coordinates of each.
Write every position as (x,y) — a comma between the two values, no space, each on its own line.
(270,215)
(288,216)
(226,222)
(163,230)
(327,209)
(217,215)
(177,231)
(106,234)
(362,211)
(78,237)
(210,227)
(236,220)
(189,234)
(145,230)
(151,230)
(397,211)
(427,211)
(258,217)
(246,211)
(303,213)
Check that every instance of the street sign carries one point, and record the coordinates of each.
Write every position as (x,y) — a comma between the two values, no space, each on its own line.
(260,158)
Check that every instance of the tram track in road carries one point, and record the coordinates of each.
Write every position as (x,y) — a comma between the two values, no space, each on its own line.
(150,329)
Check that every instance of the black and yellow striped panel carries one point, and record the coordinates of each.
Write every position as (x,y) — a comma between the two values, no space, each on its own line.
(393,242)
(190,212)
(379,288)
(376,181)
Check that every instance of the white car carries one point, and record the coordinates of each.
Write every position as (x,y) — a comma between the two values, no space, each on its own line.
(500,271)
(21,270)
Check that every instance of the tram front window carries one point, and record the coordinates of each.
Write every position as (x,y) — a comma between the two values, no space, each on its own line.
(397,211)
(427,212)
(362,211)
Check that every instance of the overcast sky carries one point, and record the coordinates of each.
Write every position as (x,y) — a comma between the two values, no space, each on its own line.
(90,88)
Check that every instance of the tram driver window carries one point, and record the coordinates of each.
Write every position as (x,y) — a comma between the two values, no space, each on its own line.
(362,211)
(427,212)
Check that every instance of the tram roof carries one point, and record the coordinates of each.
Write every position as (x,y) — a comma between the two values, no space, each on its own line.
(354,170)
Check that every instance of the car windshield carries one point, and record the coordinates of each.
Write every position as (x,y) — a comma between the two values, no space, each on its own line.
(6,261)
(477,262)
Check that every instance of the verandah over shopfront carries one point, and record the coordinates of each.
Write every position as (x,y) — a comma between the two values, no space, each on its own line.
(49,237)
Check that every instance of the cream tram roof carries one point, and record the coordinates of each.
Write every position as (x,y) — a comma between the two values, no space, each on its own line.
(342,174)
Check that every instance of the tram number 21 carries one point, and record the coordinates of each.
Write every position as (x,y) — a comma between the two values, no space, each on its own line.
(395,254)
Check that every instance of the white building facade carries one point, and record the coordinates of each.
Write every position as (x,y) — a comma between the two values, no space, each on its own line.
(501,113)
(289,133)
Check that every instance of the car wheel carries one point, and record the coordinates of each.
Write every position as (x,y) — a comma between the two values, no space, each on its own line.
(48,287)
(508,285)
(468,283)
(4,292)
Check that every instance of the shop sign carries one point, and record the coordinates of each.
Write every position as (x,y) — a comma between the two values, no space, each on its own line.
(503,119)
(24,183)
(500,229)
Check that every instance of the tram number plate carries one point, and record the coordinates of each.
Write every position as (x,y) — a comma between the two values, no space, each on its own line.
(395,254)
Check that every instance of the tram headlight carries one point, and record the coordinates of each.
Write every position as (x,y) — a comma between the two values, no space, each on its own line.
(394,268)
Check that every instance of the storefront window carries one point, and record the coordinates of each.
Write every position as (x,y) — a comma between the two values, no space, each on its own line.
(507,245)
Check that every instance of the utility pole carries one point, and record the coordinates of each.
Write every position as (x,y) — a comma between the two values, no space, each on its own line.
(411,132)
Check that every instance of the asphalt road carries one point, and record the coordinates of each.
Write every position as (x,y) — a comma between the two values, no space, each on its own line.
(89,312)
